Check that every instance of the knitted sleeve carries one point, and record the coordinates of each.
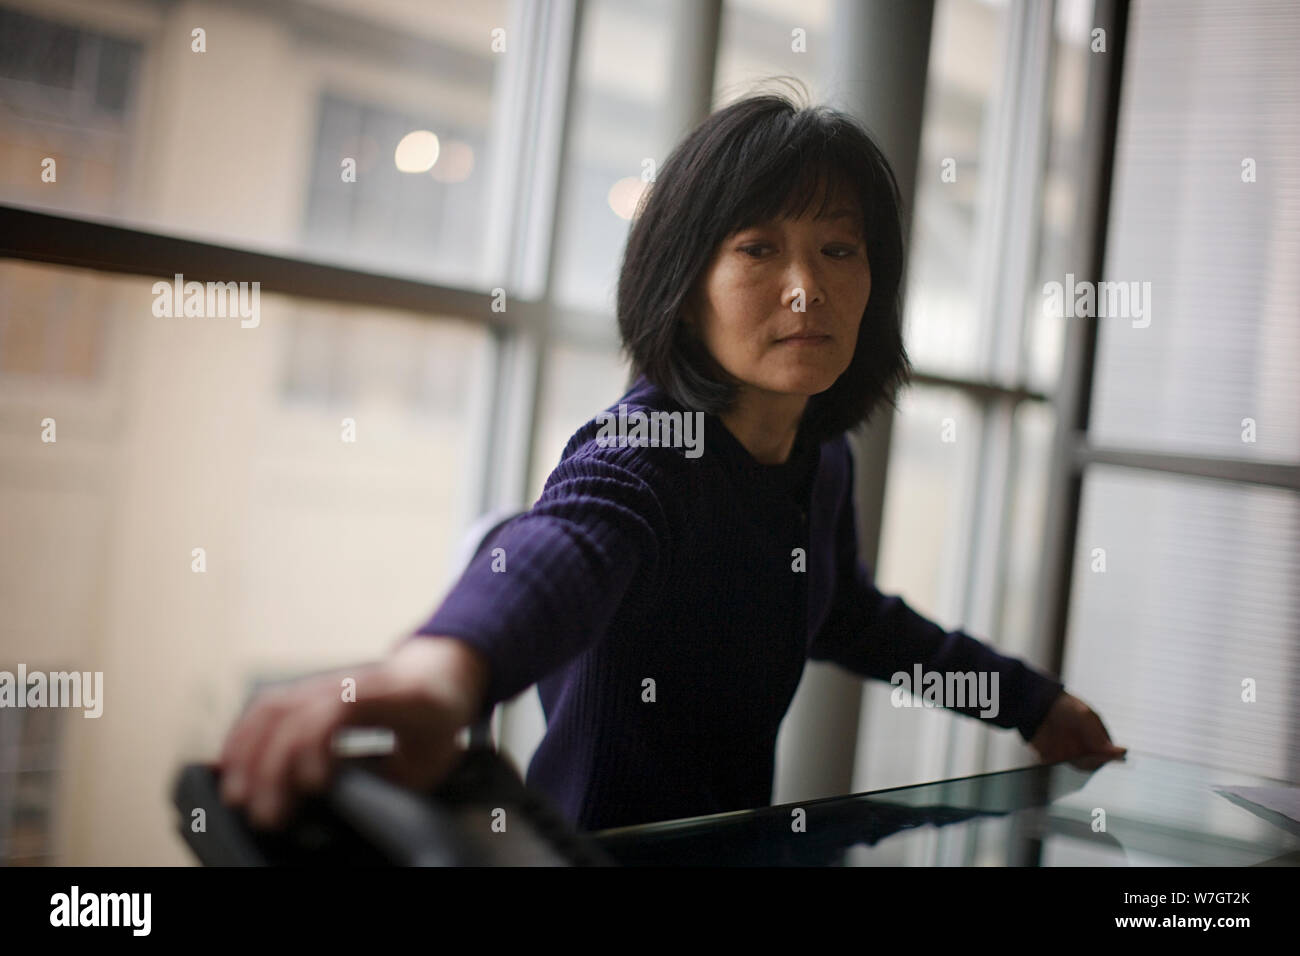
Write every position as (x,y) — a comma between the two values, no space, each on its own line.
(547,584)
(878,635)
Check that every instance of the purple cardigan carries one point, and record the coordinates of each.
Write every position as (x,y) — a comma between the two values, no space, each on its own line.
(656,596)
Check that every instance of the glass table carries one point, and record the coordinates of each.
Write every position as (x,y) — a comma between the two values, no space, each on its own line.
(1143,810)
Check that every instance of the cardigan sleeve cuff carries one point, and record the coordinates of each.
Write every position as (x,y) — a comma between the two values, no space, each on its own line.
(1040,693)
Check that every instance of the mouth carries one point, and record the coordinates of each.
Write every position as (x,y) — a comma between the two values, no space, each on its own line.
(807,339)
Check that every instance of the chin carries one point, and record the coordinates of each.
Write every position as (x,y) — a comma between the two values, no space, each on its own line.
(806,383)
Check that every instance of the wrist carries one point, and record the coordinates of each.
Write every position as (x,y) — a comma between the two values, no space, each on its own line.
(455,672)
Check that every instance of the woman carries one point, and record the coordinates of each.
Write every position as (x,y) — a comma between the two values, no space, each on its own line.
(669,584)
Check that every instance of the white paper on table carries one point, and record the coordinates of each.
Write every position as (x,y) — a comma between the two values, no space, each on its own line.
(1283,800)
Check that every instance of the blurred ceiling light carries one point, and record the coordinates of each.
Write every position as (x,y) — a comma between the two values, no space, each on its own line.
(417,152)
(455,162)
(625,194)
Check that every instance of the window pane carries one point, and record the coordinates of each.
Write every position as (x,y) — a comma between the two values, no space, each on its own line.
(1183,590)
(943,331)
(1058,205)
(580,382)
(923,557)
(1020,569)
(1034,425)
(765,38)
(251,140)
(1204,216)
(320,460)
(932,461)
(29,782)
(618,135)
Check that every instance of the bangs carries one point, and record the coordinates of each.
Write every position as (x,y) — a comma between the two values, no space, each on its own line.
(799,176)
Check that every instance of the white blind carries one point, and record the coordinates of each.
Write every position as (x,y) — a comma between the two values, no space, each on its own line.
(1201,589)
(1208,86)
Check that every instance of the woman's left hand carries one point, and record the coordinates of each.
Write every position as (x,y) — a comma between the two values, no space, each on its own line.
(1073,731)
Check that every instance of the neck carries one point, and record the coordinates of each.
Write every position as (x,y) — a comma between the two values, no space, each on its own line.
(767,427)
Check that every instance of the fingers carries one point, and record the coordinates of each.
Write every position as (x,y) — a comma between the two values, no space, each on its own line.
(1096,730)
(1089,761)
(239,753)
(284,733)
(298,745)
(1098,740)
(1080,738)
(424,760)
(282,745)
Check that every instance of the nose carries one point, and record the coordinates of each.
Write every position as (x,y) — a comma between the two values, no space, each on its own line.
(802,275)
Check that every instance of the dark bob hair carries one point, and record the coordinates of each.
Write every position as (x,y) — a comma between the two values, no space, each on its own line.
(757,160)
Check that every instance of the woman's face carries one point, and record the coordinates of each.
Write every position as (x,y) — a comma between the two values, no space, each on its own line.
(759,279)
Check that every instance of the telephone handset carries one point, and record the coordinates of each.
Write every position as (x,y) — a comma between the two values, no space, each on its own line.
(481,815)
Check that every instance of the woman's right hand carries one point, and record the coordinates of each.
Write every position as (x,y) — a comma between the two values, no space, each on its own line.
(425,691)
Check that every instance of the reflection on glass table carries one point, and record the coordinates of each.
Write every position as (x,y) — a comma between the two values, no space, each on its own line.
(1143,810)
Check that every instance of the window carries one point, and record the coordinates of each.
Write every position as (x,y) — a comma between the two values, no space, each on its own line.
(1190,580)
(618,138)
(67,95)
(766,38)
(970,447)
(393,220)
(956,196)
(244,140)
(30,758)
(225,501)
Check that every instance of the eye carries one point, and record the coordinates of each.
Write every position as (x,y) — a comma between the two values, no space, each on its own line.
(753,249)
(842,251)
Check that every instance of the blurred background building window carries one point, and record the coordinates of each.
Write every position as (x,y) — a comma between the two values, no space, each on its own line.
(66,92)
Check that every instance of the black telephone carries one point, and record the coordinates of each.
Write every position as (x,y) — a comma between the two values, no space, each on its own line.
(481,815)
